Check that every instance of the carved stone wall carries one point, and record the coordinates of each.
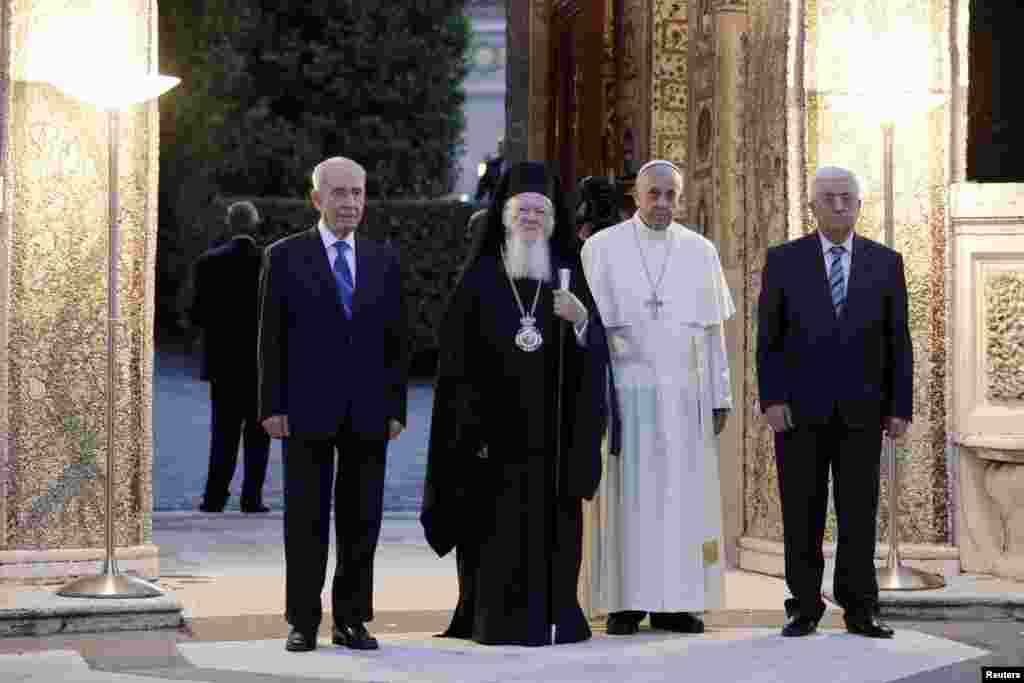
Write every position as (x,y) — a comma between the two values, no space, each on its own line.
(1003,294)
(988,418)
(55,226)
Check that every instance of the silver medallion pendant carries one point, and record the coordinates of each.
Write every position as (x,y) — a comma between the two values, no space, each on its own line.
(528,338)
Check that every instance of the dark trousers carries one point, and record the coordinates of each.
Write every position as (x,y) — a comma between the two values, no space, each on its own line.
(358,508)
(233,416)
(803,456)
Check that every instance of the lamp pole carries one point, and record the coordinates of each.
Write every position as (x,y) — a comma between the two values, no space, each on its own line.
(110,583)
(894,576)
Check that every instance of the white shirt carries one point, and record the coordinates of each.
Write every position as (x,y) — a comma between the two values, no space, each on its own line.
(330,240)
(846,260)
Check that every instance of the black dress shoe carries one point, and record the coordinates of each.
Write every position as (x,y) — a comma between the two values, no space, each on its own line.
(255,508)
(300,641)
(354,636)
(868,626)
(208,507)
(622,624)
(800,626)
(678,622)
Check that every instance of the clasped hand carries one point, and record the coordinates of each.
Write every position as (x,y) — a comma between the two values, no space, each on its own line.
(568,307)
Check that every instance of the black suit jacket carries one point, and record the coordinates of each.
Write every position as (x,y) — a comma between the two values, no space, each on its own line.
(314,363)
(861,363)
(225,306)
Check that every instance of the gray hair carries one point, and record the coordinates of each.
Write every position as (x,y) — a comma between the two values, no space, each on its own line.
(830,172)
(341,161)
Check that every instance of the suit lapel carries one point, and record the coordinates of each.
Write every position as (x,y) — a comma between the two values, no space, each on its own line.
(319,266)
(816,266)
(859,282)
(366,255)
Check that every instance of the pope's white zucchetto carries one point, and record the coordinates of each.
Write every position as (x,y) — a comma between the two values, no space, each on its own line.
(658,162)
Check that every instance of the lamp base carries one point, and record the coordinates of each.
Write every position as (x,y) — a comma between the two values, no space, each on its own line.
(907,579)
(109,586)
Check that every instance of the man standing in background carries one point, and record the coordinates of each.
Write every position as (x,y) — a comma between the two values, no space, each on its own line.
(225,307)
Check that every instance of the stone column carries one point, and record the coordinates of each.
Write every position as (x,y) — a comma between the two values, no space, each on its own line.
(988,375)
(53,234)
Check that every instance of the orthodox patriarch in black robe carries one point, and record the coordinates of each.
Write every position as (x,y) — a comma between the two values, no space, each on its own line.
(500,488)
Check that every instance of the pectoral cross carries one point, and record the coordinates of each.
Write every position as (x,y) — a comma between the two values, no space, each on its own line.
(654,303)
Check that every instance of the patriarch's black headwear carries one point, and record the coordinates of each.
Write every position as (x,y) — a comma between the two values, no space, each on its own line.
(524,176)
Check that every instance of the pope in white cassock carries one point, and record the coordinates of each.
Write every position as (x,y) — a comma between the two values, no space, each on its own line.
(661,292)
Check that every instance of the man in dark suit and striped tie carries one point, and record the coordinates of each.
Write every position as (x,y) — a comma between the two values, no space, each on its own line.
(332,371)
(835,369)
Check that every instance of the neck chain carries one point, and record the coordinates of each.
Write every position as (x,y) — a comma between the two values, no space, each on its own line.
(654,303)
(528,338)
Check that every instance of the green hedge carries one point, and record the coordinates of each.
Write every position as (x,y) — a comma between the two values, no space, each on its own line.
(429,234)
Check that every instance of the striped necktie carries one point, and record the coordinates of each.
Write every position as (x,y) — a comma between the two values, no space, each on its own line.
(343,276)
(836,279)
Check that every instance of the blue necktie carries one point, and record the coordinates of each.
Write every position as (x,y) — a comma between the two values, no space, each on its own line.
(836,281)
(343,276)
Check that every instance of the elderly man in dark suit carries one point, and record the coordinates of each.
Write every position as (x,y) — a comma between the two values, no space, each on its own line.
(332,377)
(225,307)
(835,369)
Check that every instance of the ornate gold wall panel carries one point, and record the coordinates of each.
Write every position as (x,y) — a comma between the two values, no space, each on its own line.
(55,227)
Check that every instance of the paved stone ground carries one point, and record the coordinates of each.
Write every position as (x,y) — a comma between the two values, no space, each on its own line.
(181,442)
(920,653)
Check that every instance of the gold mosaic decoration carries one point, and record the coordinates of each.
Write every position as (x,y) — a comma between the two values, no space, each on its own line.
(671,89)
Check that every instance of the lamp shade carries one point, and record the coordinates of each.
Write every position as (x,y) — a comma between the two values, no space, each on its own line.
(116,91)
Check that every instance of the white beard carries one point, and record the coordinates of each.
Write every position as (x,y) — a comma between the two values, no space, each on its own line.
(528,259)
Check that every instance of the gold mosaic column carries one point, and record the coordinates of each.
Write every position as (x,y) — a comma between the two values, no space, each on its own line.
(53,224)
(669,69)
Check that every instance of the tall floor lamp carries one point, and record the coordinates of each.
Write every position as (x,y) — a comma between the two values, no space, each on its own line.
(894,576)
(113,95)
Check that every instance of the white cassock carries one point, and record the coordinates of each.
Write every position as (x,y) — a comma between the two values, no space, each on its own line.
(657,532)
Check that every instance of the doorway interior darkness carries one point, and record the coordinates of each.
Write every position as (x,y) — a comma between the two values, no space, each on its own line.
(995,111)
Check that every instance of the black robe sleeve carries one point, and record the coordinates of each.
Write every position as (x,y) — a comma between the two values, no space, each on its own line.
(585,399)
(455,428)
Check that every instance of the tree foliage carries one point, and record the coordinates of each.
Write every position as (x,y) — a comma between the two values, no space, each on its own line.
(269,89)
